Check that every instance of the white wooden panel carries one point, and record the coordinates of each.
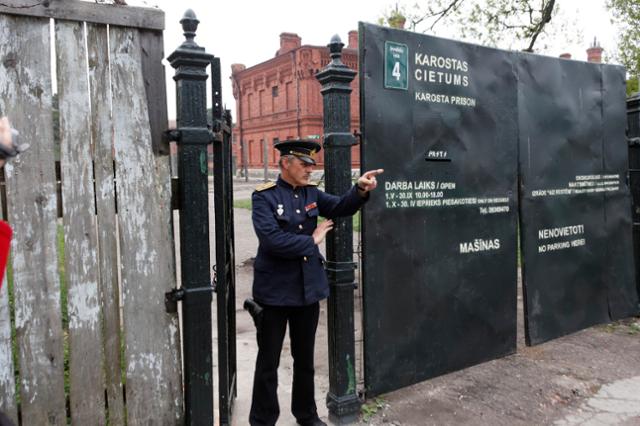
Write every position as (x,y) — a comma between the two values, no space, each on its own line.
(25,95)
(86,369)
(154,388)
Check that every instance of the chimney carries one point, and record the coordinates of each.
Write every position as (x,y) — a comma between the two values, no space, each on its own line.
(236,68)
(288,42)
(594,53)
(565,55)
(353,39)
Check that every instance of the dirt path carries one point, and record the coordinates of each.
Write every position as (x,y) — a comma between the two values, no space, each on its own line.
(591,377)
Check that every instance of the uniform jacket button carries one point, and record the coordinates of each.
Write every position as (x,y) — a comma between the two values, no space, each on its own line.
(300,226)
(305,258)
(297,210)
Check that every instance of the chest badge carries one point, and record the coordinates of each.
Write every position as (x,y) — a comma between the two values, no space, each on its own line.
(310,206)
(280,209)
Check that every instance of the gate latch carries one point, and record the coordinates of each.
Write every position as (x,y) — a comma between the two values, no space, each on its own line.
(171,299)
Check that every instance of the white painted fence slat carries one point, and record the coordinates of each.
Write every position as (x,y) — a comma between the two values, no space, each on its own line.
(154,388)
(102,136)
(8,404)
(86,370)
(25,93)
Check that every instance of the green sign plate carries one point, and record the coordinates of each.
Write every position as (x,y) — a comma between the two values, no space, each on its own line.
(396,70)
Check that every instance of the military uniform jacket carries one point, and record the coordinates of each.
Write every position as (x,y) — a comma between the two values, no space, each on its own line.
(289,269)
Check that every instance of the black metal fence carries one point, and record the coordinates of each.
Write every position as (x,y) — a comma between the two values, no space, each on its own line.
(633,136)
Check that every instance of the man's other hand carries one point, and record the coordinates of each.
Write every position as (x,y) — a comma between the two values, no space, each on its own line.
(321,231)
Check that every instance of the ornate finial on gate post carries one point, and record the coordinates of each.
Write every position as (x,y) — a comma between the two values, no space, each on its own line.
(335,49)
(189,24)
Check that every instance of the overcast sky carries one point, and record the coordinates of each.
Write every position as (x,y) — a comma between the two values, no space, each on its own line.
(247,31)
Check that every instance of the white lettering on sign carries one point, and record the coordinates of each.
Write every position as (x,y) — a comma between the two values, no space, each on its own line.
(441,70)
(561,232)
(564,231)
(437,154)
(583,184)
(434,61)
(479,244)
(440,98)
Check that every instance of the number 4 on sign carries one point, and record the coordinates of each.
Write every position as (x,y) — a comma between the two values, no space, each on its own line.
(396,71)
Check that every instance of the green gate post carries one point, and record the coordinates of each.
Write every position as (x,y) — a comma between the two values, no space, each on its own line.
(193,136)
(336,78)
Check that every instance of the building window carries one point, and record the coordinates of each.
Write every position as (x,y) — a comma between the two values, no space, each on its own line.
(273,150)
(274,91)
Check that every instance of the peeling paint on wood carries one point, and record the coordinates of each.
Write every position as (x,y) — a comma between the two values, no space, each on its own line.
(102,137)
(81,246)
(154,387)
(129,16)
(32,212)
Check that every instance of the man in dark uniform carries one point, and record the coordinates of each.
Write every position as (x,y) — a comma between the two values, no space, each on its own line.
(289,277)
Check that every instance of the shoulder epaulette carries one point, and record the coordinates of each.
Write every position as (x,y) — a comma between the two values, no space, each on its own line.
(265,185)
(312,184)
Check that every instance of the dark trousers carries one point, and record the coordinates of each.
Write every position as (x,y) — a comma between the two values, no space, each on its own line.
(303,322)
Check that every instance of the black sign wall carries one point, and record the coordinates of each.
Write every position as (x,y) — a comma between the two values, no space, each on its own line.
(575,201)
(451,123)
(440,233)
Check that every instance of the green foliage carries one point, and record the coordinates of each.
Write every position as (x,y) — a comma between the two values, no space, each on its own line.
(632,85)
(370,409)
(508,24)
(626,16)
(242,204)
(395,18)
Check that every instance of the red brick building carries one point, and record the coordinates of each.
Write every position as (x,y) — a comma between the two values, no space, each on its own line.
(280,99)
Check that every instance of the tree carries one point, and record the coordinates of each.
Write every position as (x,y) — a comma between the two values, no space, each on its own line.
(626,15)
(500,23)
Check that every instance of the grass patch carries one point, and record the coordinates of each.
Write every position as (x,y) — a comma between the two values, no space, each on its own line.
(630,326)
(242,204)
(371,408)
